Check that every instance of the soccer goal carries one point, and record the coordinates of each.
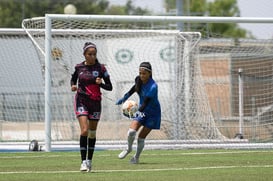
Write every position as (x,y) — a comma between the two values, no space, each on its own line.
(198,77)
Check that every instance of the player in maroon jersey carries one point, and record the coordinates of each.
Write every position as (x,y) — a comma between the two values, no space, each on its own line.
(89,76)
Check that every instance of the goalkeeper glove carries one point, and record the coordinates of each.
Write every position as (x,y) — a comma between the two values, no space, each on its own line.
(125,97)
(120,101)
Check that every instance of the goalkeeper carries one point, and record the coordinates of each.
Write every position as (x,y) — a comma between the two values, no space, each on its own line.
(148,115)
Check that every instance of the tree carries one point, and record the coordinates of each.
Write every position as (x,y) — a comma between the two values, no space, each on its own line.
(225,8)
(12,12)
(228,8)
(131,10)
(128,9)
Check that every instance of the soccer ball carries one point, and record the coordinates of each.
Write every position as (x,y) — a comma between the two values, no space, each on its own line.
(33,145)
(129,108)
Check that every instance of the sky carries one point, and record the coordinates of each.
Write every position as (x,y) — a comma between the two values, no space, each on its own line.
(248,8)
(257,8)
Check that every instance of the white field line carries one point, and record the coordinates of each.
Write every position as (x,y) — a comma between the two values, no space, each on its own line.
(140,170)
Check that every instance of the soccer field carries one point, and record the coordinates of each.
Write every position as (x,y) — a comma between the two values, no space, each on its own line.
(196,164)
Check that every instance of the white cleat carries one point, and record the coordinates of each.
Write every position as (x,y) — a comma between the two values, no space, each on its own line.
(124,153)
(134,160)
(84,167)
(89,165)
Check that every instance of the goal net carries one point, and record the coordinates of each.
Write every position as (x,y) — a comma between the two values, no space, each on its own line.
(197,76)
(186,113)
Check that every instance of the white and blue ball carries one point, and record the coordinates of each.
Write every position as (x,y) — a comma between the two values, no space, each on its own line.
(129,108)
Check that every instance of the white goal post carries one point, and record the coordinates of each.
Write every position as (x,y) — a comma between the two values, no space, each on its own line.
(187,108)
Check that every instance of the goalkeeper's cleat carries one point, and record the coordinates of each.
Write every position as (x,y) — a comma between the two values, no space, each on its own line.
(124,153)
(134,160)
(89,165)
(84,166)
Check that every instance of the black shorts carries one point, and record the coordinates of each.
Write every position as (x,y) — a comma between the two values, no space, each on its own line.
(84,106)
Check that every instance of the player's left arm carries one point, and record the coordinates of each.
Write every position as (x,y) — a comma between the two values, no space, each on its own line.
(107,85)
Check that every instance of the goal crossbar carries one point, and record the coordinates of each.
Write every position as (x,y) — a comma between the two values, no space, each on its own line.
(192,19)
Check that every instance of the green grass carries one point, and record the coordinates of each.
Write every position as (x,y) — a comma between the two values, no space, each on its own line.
(154,165)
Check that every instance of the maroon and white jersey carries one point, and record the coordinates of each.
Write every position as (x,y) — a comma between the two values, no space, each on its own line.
(85,76)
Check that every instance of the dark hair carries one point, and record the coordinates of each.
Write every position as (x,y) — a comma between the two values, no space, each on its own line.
(146,66)
(138,83)
(89,45)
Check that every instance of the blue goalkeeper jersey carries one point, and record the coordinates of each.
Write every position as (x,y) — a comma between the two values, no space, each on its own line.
(152,110)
